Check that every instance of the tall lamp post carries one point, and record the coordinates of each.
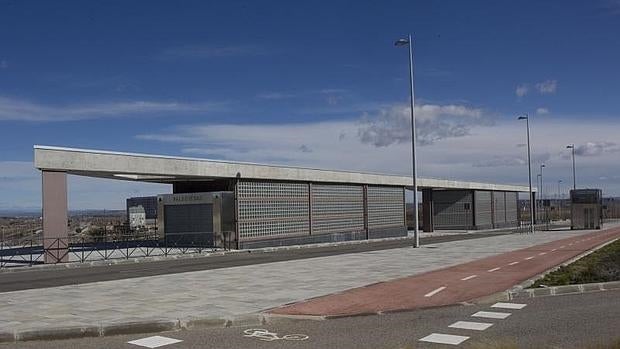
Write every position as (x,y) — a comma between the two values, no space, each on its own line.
(572,147)
(539,201)
(542,200)
(409,43)
(529,171)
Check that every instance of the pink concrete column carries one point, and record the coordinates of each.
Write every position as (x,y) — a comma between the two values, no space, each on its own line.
(55,231)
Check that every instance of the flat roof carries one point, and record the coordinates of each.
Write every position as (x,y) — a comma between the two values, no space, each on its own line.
(170,169)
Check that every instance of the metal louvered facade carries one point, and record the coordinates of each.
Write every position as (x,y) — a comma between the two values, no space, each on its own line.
(293,212)
(337,208)
(385,207)
(483,207)
(474,209)
(272,209)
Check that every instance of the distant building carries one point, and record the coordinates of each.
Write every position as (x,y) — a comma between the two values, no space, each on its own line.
(141,211)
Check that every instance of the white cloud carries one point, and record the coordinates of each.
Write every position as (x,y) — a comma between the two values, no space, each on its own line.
(547,86)
(434,122)
(522,90)
(596,148)
(542,111)
(24,110)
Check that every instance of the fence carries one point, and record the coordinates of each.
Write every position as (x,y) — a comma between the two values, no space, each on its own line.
(34,250)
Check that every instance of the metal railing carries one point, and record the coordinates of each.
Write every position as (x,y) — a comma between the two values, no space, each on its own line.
(37,250)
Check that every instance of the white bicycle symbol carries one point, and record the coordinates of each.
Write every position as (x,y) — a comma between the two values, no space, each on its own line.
(264,335)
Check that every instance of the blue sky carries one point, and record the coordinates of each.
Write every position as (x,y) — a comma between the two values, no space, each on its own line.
(311,84)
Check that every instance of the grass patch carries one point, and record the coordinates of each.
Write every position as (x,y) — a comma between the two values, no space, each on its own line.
(600,266)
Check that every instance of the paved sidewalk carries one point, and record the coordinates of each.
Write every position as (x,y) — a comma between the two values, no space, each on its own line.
(233,291)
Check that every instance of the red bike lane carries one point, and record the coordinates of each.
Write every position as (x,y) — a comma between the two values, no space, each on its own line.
(452,285)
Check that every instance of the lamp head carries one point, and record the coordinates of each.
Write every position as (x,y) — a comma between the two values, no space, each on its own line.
(401,42)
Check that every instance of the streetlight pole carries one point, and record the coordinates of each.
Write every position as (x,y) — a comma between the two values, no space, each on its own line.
(402,42)
(572,147)
(539,201)
(529,171)
(542,199)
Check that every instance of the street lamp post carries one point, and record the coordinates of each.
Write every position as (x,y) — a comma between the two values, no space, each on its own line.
(529,171)
(559,200)
(542,198)
(539,201)
(572,147)
(409,43)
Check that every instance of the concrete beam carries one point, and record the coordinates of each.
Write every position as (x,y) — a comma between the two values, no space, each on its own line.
(167,169)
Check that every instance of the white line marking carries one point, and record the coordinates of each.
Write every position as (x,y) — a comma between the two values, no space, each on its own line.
(434,292)
(154,341)
(469,277)
(555,249)
(494,269)
(513,263)
(542,253)
(562,246)
(508,305)
(469,325)
(530,257)
(444,339)
(491,315)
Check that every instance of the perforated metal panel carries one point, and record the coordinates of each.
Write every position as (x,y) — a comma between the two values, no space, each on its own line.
(272,209)
(499,208)
(385,207)
(511,208)
(483,209)
(337,208)
(453,209)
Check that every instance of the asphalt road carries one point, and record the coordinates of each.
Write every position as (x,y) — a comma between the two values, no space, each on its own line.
(568,321)
(40,278)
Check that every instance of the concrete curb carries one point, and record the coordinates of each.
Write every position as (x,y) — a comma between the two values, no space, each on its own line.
(562,290)
(133,327)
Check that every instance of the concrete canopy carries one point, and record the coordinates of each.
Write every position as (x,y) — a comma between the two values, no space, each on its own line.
(169,169)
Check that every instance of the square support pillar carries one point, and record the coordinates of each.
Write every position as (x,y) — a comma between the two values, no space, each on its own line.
(55,231)
(427,210)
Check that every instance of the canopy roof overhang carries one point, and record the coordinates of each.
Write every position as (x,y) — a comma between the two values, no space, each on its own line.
(171,169)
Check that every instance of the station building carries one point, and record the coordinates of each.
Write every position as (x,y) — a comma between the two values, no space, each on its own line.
(246,205)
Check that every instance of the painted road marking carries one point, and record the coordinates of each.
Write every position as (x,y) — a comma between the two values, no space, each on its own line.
(528,258)
(513,263)
(562,246)
(508,305)
(555,249)
(469,277)
(444,339)
(435,291)
(542,253)
(469,325)
(154,341)
(494,269)
(491,315)
(266,336)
